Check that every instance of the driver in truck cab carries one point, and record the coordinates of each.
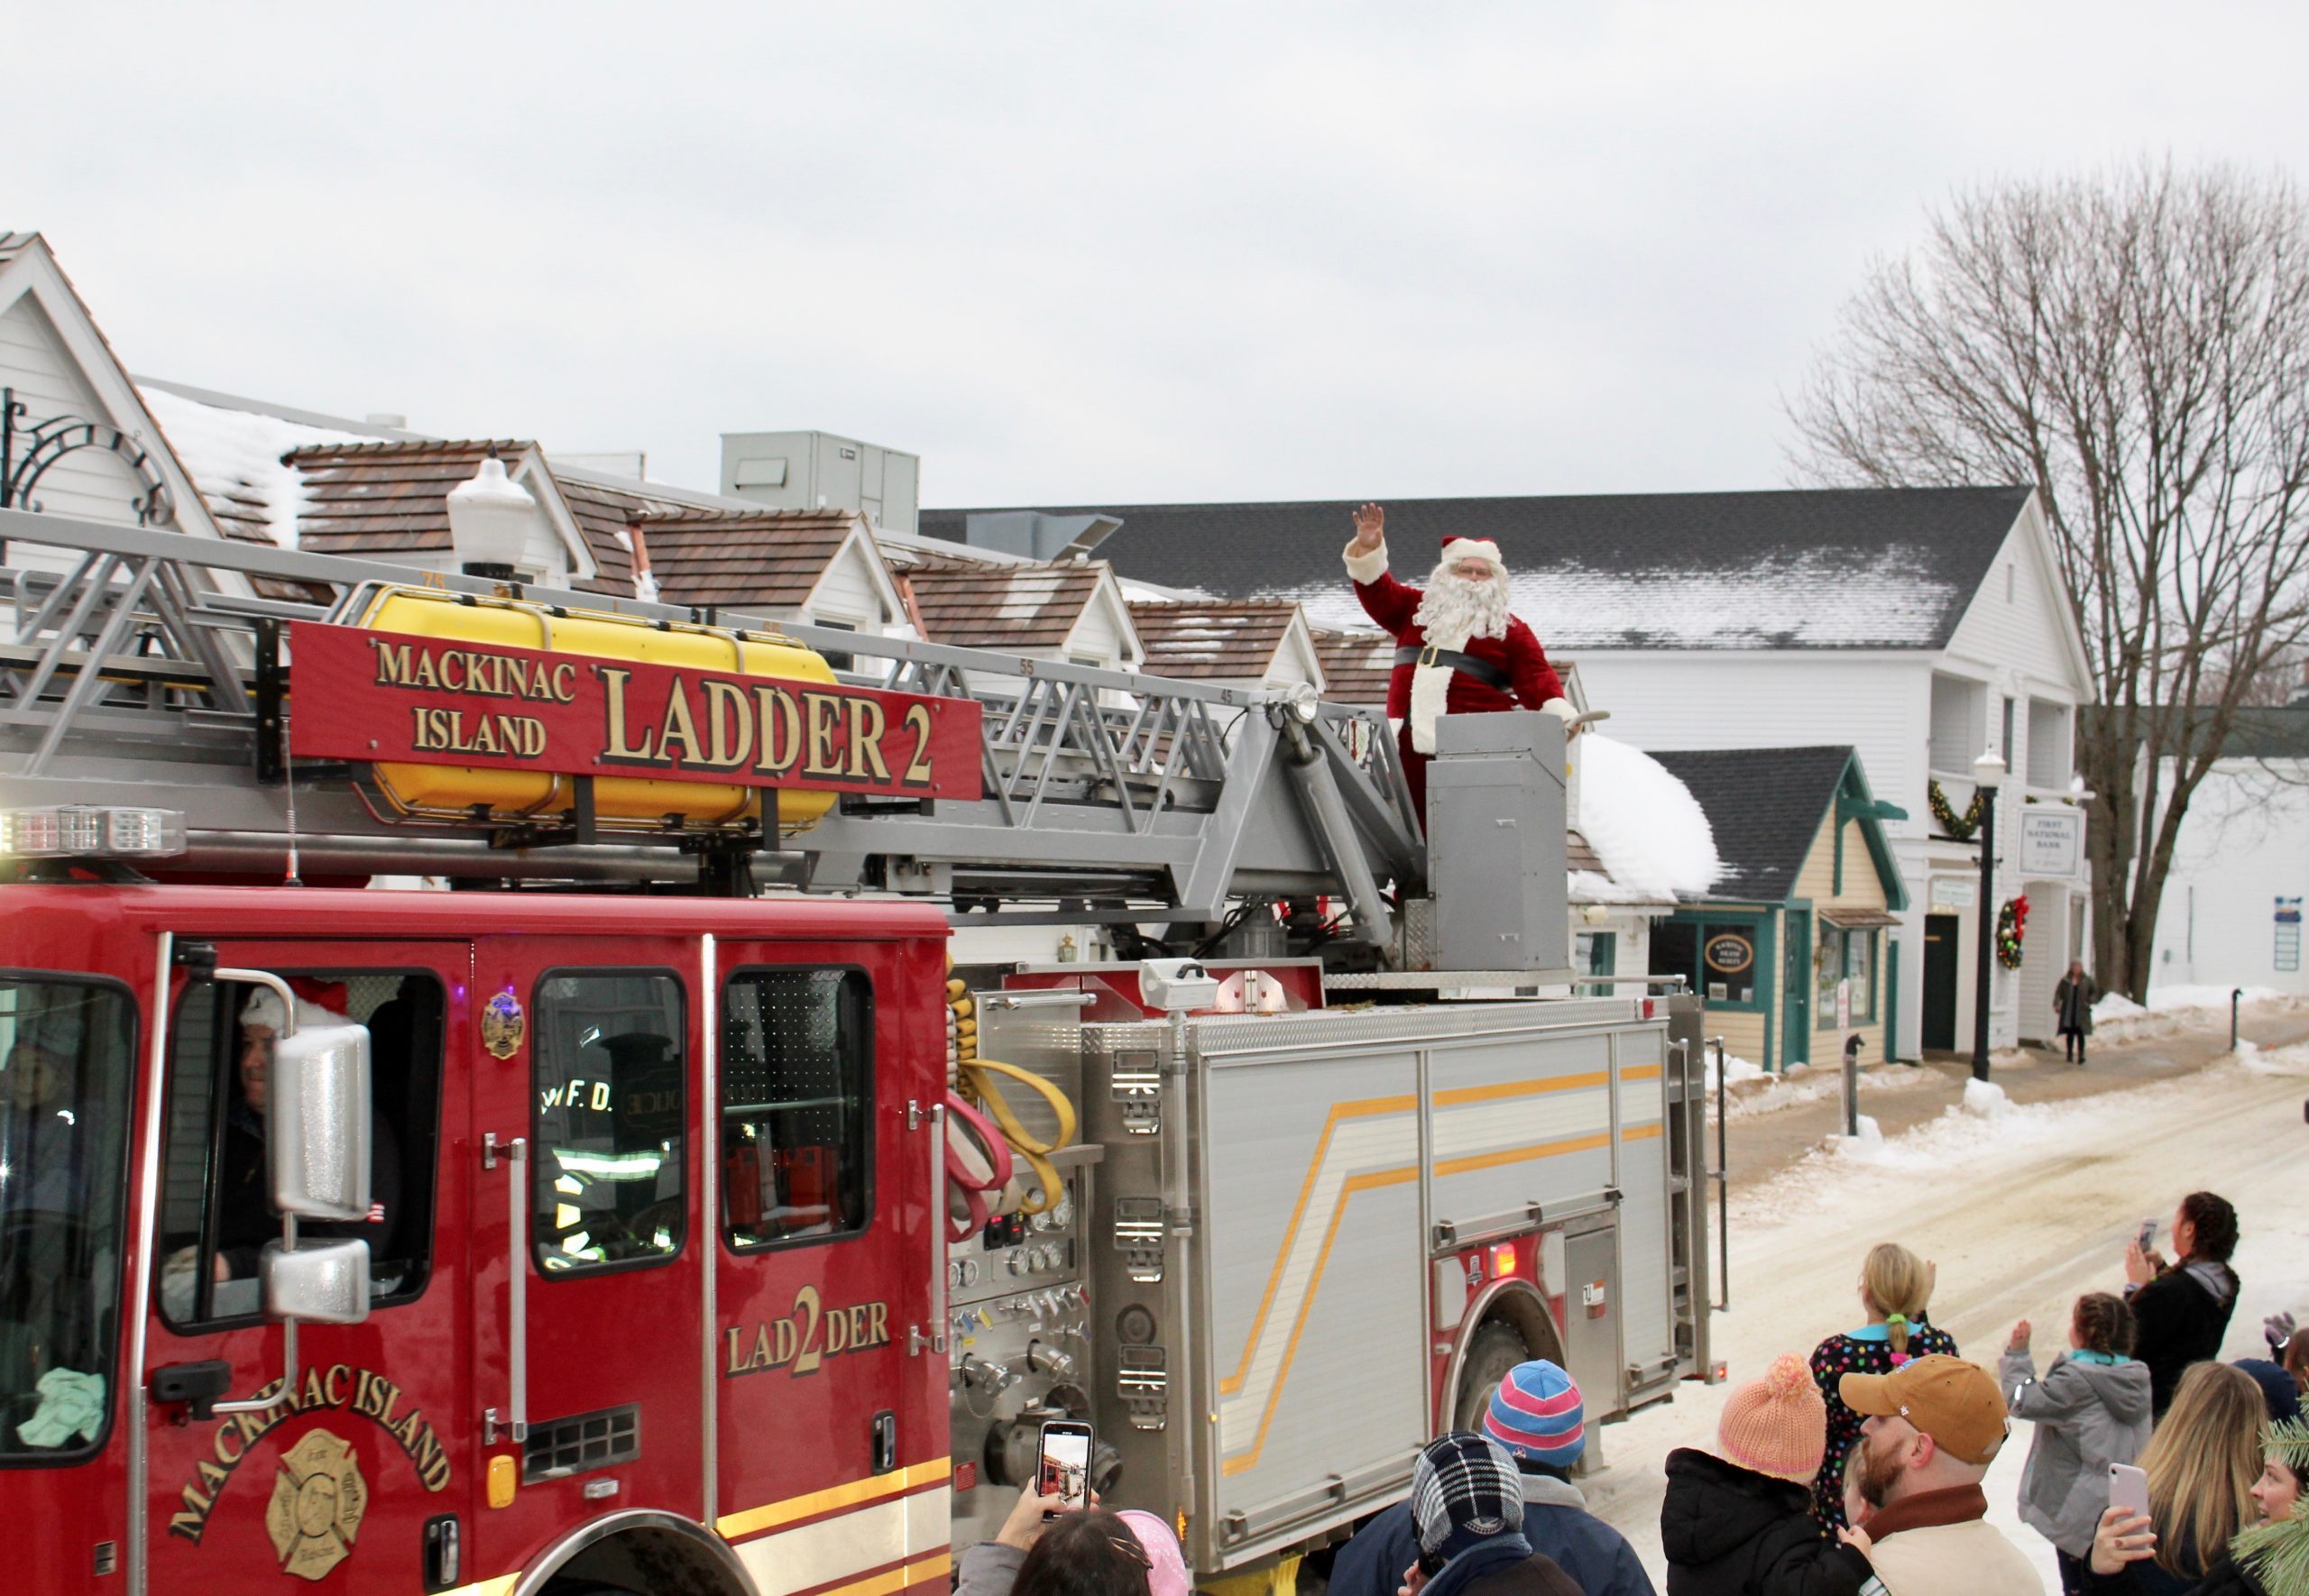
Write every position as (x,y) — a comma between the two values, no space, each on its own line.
(246,1217)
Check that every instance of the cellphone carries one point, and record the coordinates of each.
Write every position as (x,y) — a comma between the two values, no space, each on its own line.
(1064,1469)
(2128,1489)
(2148,1234)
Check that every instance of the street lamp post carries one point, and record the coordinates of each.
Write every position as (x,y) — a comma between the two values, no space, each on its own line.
(489,516)
(1988,773)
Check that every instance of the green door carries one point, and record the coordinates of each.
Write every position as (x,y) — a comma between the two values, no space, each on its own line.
(1795,987)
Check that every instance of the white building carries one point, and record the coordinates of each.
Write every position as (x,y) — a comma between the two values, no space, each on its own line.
(2233,907)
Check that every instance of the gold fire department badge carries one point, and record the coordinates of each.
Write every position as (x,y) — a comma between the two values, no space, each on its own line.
(502,1025)
(318,1500)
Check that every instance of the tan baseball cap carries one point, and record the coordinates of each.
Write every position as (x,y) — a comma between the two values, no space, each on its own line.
(1955,1402)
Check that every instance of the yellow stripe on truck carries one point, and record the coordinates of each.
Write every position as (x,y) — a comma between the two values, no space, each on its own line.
(753,1520)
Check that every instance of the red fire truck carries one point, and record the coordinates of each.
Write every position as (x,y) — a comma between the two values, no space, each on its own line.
(586,1217)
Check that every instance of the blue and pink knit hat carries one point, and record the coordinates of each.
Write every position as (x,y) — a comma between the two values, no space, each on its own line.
(1537,1415)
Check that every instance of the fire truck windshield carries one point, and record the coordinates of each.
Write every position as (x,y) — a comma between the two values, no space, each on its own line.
(67,1061)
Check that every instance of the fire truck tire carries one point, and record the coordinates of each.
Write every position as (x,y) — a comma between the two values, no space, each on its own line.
(1497,1347)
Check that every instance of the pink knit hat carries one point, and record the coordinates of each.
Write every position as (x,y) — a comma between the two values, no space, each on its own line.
(1166,1570)
(1779,1425)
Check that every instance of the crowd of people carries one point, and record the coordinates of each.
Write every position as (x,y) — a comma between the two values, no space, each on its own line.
(1858,1474)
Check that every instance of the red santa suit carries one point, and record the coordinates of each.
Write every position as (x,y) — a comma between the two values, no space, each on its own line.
(1501,669)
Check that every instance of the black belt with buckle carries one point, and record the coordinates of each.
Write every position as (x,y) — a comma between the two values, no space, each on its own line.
(1467,664)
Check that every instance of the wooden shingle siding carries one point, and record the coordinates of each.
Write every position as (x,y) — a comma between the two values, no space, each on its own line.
(385,498)
(767,560)
(1202,641)
(1007,606)
(1357,665)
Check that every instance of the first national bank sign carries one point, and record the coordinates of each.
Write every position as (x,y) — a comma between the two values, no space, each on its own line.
(378,697)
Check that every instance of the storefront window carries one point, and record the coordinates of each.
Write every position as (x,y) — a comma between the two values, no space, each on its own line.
(1842,955)
(1728,965)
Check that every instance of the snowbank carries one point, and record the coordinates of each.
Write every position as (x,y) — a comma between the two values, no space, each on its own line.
(2177,1007)
(1644,823)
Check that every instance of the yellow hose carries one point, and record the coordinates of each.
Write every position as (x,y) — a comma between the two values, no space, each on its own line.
(979,1080)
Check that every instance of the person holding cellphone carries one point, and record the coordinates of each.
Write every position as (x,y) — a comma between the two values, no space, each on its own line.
(2203,1463)
(2182,1308)
(2270,1559)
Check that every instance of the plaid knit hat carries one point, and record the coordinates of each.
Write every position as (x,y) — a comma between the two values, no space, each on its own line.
(1779,1425)
(1537,1415)
(1464,1489)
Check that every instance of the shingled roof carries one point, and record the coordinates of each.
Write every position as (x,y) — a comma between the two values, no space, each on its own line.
(1201,639)
(768,558)
(1765,806)
(1355,666)
(1828,568)
(386,498)
(971,605)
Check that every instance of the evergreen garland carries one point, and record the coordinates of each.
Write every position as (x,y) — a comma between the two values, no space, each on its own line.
(1960,827)
(2012,927)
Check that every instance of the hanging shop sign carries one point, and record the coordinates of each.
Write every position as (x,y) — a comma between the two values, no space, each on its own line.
(1730,952)
(2052,842)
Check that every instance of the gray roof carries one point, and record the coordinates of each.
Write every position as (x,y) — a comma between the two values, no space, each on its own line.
(1765,806)
(1816,568)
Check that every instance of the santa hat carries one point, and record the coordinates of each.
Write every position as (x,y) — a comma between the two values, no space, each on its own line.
(318,1002)
(1456,549)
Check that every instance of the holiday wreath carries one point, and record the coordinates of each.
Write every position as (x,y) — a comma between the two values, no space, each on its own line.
(1960,827)
(2011,926)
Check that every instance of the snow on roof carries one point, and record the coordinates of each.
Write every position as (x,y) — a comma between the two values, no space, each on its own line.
(1644,824)
(1886,599)
(234,457)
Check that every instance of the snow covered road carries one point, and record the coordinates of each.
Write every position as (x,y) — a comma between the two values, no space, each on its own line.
(2021,1211)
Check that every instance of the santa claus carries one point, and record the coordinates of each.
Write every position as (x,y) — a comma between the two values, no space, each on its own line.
(1458,650)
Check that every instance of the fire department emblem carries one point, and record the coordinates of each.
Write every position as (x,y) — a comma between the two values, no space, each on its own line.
(502,1025)
(318,1500)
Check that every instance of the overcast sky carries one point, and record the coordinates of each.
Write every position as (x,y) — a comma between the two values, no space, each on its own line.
(1082,252)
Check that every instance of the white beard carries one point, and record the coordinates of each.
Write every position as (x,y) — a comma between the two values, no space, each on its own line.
(1451,611)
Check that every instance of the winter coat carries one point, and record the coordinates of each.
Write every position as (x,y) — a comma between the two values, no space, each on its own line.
(2073,1004)
(1730,1531)
(2179,1318)
(2088,1415)
(1940,1543)
(991,1568)
(1556,1522)
(1412,694)
(1864,1351)
(1504,1565)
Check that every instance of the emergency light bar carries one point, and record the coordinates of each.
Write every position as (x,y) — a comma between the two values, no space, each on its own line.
(89,830)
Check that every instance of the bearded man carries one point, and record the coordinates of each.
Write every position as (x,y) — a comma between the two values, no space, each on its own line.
(1458,650)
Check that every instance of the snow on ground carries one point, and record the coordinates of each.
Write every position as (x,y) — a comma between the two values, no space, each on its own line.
(2021,1206)
(1754,1091)
(1644,823)
(2170,1008)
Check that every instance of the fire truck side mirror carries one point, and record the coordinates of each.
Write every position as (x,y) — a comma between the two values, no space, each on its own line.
(317,1136)
(319,1283)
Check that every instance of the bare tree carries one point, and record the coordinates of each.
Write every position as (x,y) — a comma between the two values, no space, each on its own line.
(2137,346)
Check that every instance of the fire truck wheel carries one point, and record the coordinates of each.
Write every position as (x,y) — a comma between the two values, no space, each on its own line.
(1497,1347)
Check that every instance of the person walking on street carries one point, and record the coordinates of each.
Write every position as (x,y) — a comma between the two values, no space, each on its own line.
(2073,998)
(2181,1309)
(2091,1409)
(1741,1524)
(1538,1416)
(1895,1288)
(1933,1426)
